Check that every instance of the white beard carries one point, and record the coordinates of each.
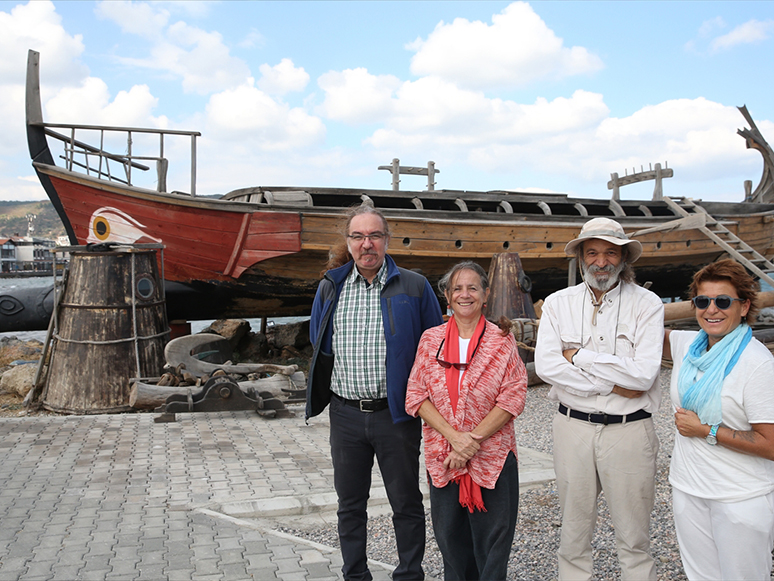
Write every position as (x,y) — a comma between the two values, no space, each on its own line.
(602,285)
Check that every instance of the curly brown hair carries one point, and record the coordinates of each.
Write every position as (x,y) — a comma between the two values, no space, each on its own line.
(730,271)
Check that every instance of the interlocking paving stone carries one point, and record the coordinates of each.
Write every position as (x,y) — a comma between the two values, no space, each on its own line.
(115,497)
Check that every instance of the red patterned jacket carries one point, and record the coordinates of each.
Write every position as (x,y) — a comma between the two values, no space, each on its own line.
(496,377)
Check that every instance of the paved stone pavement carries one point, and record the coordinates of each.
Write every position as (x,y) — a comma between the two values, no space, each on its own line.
(119,497)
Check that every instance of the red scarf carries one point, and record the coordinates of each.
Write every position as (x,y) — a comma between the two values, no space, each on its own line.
(470,492)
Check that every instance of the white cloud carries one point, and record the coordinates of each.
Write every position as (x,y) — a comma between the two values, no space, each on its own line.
(356,96)
(282,78)
(708,27)
(22,189)
(251,117)
(90,103)
(201,59)
(515,50)
(194,8)
(751,32)
(37,26)
(574,137)
(432,113)
(137,18)
(253,39)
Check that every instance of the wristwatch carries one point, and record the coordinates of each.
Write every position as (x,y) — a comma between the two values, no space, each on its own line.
(712,437)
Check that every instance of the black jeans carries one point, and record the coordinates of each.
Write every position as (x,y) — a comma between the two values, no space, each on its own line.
(355,438)
(477,545)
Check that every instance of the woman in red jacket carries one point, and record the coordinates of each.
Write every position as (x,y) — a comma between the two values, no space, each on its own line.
(467,384)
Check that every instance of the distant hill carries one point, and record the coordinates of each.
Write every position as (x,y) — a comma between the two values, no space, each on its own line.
(13,220)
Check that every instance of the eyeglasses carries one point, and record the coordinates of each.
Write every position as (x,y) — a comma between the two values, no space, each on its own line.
(722,302)
(460,366)
(373,237)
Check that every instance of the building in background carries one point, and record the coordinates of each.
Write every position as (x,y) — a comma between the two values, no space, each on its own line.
(26,255)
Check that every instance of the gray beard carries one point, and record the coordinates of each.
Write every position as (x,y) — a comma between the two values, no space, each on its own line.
(606,285)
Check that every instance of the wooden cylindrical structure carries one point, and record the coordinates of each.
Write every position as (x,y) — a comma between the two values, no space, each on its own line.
(111,327)
(509,294)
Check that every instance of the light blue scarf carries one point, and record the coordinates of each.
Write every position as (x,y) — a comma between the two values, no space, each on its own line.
(703,396)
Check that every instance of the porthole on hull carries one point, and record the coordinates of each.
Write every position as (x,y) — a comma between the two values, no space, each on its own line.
(145,288)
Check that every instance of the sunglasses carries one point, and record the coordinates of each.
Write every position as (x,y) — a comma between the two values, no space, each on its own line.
(460,366)
(722,302)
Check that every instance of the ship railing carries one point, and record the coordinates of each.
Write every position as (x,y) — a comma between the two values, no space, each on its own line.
(95,160)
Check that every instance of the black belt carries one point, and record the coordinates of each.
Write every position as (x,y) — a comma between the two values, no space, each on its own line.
(604,418)
(366,405)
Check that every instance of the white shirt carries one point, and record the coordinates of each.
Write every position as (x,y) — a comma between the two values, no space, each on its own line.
(623,348)
(747,397)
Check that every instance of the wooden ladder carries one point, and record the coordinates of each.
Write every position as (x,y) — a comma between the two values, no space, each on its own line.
(737,248)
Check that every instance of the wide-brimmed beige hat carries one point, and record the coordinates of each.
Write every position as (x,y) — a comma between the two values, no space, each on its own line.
(609,231)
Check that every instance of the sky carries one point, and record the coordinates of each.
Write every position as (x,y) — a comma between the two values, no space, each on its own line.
(539,97)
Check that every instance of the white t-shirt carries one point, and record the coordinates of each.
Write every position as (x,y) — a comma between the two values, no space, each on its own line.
(716,472)
(463,346)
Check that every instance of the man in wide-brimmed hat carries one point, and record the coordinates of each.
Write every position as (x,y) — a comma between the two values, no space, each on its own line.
(599,347)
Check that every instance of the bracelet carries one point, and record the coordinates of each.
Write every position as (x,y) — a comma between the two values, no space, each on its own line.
(572,359)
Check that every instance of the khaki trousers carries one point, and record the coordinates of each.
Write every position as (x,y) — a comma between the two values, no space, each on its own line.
(619,459)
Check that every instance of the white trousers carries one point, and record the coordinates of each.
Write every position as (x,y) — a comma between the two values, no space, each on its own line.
(619,459)
(725,540)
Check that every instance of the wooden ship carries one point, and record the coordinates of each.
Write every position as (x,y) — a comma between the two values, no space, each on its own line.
(259,251)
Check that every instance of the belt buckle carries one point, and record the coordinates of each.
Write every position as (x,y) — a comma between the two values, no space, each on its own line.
(360,405)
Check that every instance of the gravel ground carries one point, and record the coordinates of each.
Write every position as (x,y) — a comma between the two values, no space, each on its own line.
(537,533)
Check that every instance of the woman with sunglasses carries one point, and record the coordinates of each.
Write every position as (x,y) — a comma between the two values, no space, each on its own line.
(468,383)
(722,470)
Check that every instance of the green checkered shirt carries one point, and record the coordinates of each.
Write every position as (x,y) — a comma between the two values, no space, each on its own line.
(359,347)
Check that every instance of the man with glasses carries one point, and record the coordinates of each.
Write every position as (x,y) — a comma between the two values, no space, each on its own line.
(599,347)
(367,319)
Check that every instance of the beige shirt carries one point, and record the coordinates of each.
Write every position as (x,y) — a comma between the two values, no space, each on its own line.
(621,347)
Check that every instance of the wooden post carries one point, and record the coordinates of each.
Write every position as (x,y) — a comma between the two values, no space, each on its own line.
(658,189)
(616,188)
(396,169)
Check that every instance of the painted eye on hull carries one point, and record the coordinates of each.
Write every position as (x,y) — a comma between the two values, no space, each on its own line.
(101,228)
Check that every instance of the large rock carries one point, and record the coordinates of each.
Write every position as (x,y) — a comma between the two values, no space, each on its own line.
(18,379)
(292,335)
(254,348)
(231,329)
